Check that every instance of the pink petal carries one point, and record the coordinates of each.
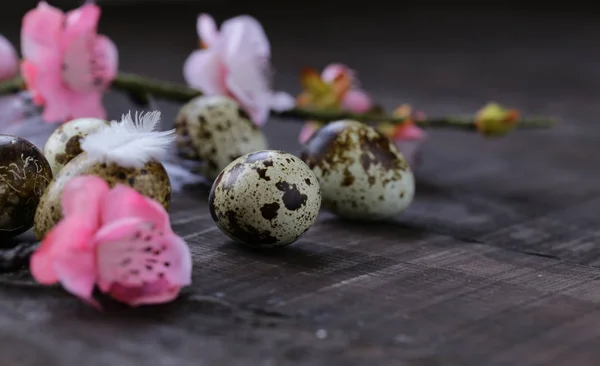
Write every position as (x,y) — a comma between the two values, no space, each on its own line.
(41,264)
(87,105)
(40,35)
(124,202)
(243,37)
(68,243)
(29,72)
(117,230)
(107,55)
(245,51)
(77,273)
(180,273)
(90,63)
(281,101)
(333,71)
(80,70)
(9,63)
(132,252)
(249,84)
(158,292)
(307,131)
(57,98)
(207,30)
(203,71)
(82,197)
(357,101)
(81,20)
(113,247)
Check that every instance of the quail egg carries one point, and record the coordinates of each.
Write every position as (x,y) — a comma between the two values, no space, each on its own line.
(362,174)
(265,199)
(63,143)
(215,130)
(151,180)
(24,175)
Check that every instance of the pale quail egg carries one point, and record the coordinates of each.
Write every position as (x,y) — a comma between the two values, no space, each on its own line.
(265,199)
(125,152)
(215,130)
(151,181)
(362,174)
(63,143)
(24,175)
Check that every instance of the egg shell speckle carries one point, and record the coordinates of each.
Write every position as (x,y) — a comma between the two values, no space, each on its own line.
(64,143)
(216,130)
(265,199)
(151,181)
(362,174)
(24,175)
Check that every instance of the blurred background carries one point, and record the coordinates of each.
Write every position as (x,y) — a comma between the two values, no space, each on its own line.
(444,58)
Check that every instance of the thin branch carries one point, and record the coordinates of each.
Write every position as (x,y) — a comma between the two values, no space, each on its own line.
(140,86)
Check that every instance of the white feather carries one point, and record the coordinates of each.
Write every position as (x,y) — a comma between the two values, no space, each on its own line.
(131,142)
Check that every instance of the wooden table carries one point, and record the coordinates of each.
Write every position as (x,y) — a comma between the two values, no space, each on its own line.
(495,263)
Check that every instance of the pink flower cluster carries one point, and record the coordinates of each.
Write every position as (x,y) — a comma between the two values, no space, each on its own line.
(115,239)
(67,66)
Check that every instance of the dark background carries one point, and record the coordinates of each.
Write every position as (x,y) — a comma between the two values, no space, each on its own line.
(443,58)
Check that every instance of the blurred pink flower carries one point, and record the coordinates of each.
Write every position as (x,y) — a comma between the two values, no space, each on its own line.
(116,239)
(336,88)
(353,98)
(67,66)
(235,61)
(9,62)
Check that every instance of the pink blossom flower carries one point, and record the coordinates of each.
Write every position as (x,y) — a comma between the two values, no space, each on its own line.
(67,66)
(353,98)
(115,239)
(9,62)
(235,62)
(336,88)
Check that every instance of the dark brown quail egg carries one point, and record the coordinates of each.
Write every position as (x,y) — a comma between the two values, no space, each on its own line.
(216,130)
(24,175)
(362,174)
(63,144)
(265,199)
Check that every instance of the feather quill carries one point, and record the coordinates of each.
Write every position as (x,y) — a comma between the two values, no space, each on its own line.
(131,142)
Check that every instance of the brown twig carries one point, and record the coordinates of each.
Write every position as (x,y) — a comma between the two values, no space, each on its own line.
(140,86)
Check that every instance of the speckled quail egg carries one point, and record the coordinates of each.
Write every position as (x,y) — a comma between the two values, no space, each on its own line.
(265,199)
(215,130)
(151,180)
(24,175)
(63,143)
(362,174)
